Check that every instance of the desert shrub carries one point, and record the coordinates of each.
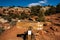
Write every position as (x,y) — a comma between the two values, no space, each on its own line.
(58,8)
(57,24)
(1,30)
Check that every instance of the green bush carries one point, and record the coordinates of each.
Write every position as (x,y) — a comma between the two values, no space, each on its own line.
(1,30)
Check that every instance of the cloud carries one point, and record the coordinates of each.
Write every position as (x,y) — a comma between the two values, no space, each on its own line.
(42,2)
(38,3)
(33,4)
(45,1)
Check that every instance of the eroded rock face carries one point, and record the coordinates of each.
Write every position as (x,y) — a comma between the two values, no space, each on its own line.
(15,10)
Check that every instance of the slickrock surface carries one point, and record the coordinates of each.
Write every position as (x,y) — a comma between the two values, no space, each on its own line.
(50,32)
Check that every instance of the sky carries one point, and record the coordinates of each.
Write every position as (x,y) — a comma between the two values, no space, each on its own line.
(28,3)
